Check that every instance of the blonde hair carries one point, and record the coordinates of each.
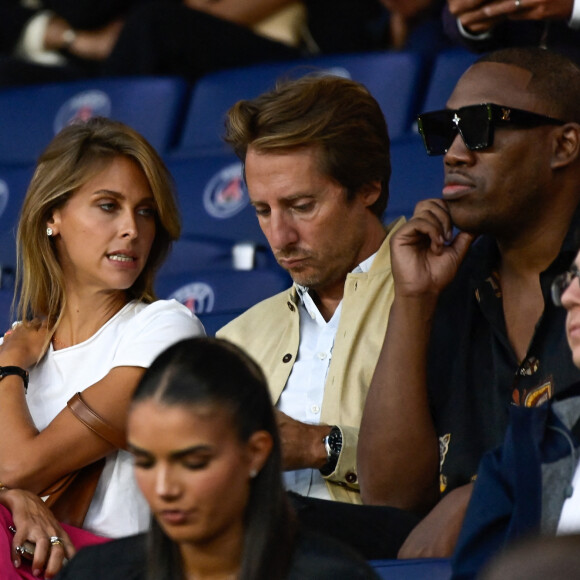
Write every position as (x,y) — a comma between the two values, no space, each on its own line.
(72,158)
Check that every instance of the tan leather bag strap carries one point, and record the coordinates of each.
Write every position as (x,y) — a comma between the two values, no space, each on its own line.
(95,422)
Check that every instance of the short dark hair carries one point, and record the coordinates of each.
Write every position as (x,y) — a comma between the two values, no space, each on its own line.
(555,78)
(338,116)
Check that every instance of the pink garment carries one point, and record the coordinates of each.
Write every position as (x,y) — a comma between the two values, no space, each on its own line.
(78,536)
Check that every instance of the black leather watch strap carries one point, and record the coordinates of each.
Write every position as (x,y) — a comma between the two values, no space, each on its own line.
(11,370)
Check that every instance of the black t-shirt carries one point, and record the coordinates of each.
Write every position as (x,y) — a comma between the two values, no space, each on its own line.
(473,373)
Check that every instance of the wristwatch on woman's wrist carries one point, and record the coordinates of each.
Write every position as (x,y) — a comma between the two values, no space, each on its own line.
(333,444)
(11,370)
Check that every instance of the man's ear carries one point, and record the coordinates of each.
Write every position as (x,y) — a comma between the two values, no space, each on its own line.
(370,192)
(566,145)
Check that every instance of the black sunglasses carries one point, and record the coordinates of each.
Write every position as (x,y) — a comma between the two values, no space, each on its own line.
(562,282)
(475,124)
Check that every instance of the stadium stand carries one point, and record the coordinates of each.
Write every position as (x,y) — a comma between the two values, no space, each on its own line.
(218,296)
(415,176)
(449,65)
(5,305)
(213,199)
(13,184)
(396,80)
(30,116)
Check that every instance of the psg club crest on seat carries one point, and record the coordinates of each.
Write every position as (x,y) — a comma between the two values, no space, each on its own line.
(225,194)
(199,297)
(82,107)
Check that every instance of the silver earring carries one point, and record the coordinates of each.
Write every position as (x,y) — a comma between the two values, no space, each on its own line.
(49,232)
(253,473)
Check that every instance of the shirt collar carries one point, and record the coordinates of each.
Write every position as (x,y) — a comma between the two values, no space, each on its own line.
(362,268)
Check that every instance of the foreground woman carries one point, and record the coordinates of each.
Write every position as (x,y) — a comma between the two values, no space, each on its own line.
(98,220)
(207,459)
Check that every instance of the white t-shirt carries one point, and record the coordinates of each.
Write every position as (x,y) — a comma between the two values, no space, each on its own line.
(133,337)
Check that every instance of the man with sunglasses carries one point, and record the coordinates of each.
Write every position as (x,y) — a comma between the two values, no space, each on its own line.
(472,330)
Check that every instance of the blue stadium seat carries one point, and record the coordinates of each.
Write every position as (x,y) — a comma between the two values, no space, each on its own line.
(448,67)
(188,256)
(30,116)
(5,306)
(415,176)
(415,569)
(218,296)
(216,215)
(396,79)
(213,199)
(13,185)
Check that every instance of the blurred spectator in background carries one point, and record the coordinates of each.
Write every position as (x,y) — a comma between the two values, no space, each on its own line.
(194,37)
(54,40)
(415,25)
(482,25)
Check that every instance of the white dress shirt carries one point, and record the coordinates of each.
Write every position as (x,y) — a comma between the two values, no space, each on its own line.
(302,396)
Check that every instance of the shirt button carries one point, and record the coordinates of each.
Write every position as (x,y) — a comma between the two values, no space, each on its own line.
(321,355)
(351,477)
(287,358)
(315,409)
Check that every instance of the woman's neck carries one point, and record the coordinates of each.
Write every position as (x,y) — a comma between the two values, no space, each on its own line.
(219,559)
(83,317)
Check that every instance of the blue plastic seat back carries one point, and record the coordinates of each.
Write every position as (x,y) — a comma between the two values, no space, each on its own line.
(31,116)
(415,176)
(5,306)
(448,67)
(218,296)
(188,256)
(13,185)
(213,199)
(415,569)
(396,80)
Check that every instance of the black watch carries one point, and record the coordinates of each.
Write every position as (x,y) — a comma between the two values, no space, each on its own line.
(333,444)
(11,370)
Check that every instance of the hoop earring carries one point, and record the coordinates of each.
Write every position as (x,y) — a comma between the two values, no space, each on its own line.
(49,232)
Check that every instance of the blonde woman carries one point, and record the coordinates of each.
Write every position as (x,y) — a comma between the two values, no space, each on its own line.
(98,219)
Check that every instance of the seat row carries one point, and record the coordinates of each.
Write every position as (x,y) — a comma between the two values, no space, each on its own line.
(180,119)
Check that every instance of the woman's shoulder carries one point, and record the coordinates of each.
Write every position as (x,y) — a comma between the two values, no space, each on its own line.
(118,559)
(169,313)
(137,308)
(320,557)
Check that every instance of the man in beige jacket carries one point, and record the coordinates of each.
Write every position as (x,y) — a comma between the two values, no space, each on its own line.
(316,159)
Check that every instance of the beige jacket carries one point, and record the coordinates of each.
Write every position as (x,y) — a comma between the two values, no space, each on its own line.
(270,333)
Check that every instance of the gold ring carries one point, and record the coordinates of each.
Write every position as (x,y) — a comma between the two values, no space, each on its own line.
(56,541)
